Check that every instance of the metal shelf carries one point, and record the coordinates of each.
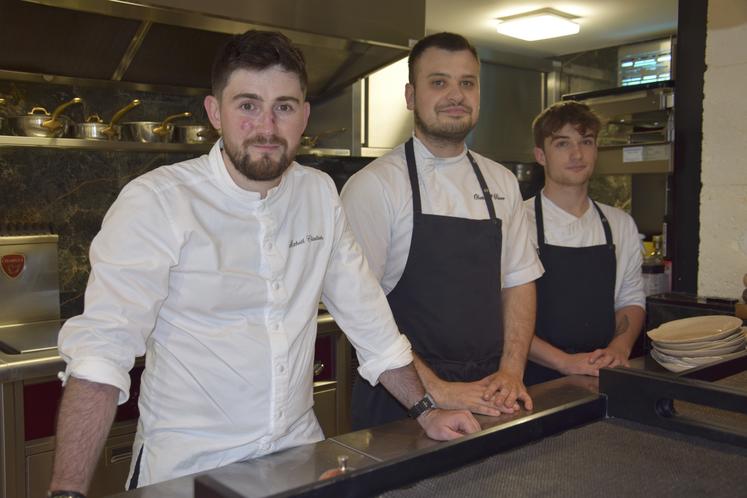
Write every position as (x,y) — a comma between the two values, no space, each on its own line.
(124,146)
(100,145)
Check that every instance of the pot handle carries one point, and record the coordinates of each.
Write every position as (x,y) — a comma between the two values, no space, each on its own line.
(38,110)
(163,128)
(109,130)
(118,115)
(53,123)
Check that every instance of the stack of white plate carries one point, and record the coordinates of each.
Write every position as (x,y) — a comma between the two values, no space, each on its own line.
(692,342)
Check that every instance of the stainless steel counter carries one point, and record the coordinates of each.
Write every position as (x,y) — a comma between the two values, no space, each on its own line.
(35,347)
(395,442)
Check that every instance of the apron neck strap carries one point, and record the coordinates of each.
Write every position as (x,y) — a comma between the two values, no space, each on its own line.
(541,223)
(605,225)
(413,173)
(484,186)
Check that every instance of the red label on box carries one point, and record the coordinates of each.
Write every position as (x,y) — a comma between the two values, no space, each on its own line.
(13,264)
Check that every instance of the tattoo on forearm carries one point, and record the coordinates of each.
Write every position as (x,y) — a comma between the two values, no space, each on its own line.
(622,325)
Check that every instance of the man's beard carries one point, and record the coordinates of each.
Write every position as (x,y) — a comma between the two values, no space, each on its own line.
(262,169)
(450,132)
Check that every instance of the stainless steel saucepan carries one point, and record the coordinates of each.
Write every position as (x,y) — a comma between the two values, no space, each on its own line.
(195,134)
(39,123)
(151,131)
(95,128)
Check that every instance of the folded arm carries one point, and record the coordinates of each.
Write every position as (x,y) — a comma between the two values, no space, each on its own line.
(456,395)
(628,325)
(405,385)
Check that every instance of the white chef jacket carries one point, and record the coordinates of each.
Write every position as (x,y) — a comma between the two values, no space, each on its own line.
(564,229)
(219,289)
(378,204)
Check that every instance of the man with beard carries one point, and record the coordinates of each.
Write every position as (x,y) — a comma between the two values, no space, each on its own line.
(444,230)
(590,301)
(213,268)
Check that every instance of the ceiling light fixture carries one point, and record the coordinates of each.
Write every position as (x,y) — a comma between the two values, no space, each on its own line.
(538,25)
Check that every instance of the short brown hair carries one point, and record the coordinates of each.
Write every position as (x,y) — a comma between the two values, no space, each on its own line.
(445,41)
(560,114)
(257,50)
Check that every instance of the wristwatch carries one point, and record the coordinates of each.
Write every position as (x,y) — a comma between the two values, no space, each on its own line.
(422,406)
(60,493)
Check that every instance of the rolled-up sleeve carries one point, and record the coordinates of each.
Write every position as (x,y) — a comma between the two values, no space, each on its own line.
(130,261)
(630,259)
(353,295)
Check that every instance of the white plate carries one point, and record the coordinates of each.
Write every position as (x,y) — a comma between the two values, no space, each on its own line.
(737,337)
(671,366)
(694,353)
(691,361)
(696,328)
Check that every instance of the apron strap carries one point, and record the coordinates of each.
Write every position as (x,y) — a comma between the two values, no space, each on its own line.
(606,226)
(484,186)
(415,187)
(541,224)
(413,172)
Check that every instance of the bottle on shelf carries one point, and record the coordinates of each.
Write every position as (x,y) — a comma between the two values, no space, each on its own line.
(655,275)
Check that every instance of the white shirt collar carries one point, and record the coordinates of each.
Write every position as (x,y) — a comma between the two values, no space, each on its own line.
(232,189)
(423,154)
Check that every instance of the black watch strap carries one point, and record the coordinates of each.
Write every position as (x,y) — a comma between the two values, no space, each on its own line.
(61,493)
(422,406)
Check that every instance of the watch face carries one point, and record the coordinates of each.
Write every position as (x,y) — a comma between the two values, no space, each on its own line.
(422,406)
(428,402)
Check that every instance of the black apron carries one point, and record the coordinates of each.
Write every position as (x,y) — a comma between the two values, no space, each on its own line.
(575,296)
(447,302)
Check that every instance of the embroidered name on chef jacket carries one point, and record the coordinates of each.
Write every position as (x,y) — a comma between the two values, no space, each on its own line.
(309,238)
(479,197)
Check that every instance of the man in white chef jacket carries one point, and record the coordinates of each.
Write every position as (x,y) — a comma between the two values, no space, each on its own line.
(590,301)
(213,268)
(445,232)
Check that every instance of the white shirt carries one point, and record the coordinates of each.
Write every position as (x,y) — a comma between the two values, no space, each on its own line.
(378,204)
(219,289)
(564,229)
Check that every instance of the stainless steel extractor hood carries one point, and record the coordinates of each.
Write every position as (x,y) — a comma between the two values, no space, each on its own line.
(172,42)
